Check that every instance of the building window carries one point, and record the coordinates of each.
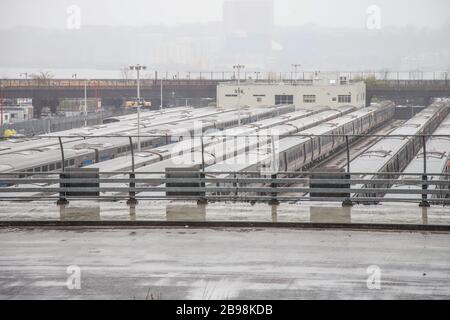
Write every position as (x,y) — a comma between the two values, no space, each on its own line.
(345,98)
(259,95)
(284,99)
(258,99)
(333,99)
(231,95)
(309,98)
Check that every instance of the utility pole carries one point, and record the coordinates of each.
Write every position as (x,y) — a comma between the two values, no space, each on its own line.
(138,69)
(85,102)
(1,107)
(238,67)
(295,66)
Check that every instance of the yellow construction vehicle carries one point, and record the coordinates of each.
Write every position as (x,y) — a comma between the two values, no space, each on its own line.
(9,133)
(134,103)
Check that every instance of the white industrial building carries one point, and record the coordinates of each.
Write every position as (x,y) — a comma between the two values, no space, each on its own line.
(309,93)
(18,113)
(5,117)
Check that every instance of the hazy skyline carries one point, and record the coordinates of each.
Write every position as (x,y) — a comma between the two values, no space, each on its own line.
(327,13)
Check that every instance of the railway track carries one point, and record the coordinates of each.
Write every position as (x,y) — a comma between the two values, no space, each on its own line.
(338,160)
(357,147)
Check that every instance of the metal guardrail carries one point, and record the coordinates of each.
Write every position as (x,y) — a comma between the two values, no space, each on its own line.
(234,186)
(238,186)
(202,77)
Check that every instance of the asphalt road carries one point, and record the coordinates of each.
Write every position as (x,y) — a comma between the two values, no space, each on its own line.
(179,263)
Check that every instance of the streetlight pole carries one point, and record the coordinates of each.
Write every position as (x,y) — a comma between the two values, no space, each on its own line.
(1,106)
(138,69)
(238,67)
(295,66)
(85,102)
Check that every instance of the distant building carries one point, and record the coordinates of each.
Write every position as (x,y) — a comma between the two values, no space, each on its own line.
(71,107)
(244,17)
(6,117)
(18,113)
(310,93)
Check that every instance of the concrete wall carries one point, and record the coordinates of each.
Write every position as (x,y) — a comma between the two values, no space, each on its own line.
(264,94)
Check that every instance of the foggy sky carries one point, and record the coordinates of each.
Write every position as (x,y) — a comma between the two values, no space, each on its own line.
(327,13)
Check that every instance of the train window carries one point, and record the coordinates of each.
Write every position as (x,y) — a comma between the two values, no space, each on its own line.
(58,165)
(37,169)
(30,170)
(44,168)
(51,167)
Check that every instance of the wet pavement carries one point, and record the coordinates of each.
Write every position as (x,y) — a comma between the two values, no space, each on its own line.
(315,212)
(222,263)
(213,262)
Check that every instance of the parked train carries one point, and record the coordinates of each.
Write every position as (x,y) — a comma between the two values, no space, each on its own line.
(309,146)
(437,162)
(392,154)
(127,123)
(89,151)
(150,156)
(214,142)
(229,152)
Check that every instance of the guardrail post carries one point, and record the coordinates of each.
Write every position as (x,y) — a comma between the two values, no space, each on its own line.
(202,200)
(347,202)
(424,202)
(274,201)
(132,194)
(62,195)
(235,185)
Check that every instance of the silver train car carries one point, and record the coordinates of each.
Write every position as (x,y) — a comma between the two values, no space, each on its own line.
(150,156)
(191,146)
(230,151)
(392,154)
(150,118)
(437,160)
(89,151)
(298,153)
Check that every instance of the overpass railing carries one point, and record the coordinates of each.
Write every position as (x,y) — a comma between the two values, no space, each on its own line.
(242,186)
(212,77)
(200,184)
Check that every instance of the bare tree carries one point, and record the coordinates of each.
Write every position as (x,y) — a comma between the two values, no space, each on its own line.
(42,75)
(125,72)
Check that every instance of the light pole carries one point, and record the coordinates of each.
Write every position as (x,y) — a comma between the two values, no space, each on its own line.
(138,69)
(85,102)
(295,66)
(160,106)
(238,67)
(1,106)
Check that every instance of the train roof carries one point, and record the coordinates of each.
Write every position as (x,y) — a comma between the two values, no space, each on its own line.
(374,158)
